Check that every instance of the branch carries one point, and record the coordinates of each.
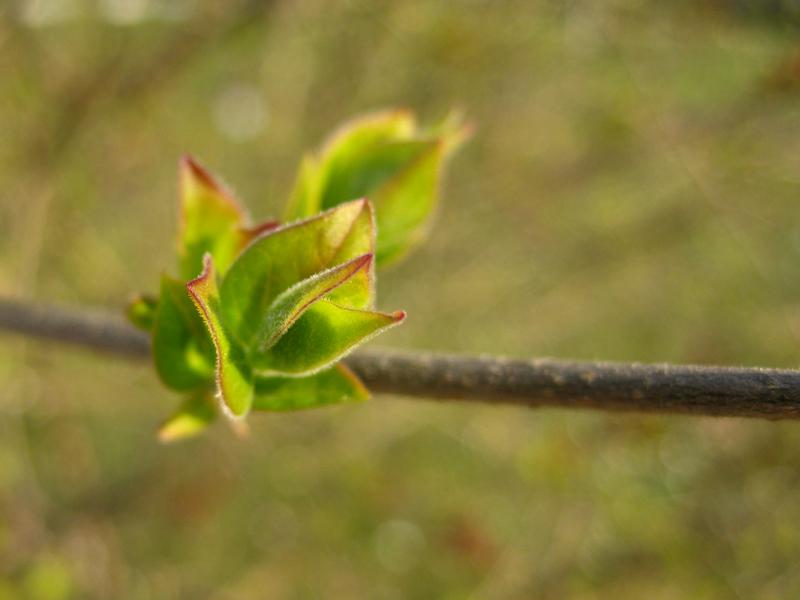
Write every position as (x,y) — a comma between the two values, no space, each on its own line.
(715,391)
(93,330)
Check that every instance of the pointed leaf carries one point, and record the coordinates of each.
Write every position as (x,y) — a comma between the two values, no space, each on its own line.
(360,173)
(211,221)
(367,131)
(404,204)
(194,416)
(142,312)
(332,386)
(324,333)
(353,137)
(281,258)
(401,178)
(387,159)
(289,305)
(233,374)
(182,350)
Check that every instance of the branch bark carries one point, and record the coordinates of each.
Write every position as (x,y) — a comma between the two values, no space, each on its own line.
(657,388)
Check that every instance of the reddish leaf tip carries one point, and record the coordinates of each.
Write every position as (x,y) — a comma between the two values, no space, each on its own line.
(191,164)
(364,261)
(399,315)
(191,285)
(188,164)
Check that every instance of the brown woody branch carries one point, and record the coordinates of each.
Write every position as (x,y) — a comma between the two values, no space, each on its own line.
(662,388)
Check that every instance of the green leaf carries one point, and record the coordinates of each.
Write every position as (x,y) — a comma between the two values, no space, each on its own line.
(182,350)
(288,255)
(406,203)
(369,130)
(365,169)
(233,374)
(292,303)
(388,159)
(324,333)
(401,178)
(275,307)
(195,414)
(211,221)
(355,135)
(331,386)
(142,312)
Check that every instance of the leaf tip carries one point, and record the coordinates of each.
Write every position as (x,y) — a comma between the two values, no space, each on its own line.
(235,419)
(190,166)
(195,286)
(360,203)
(167,433)
(175,430)
(239,427)
(363,261)
(398,316)
(192,172)
(192,418)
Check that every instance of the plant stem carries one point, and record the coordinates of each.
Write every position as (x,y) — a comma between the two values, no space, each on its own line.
(659,388)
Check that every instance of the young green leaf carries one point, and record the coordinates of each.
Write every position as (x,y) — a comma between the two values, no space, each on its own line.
(324,334)
(182,350)
(233,374)
(211,220)
(388,159)
(369,130)
(292,303)
(365,169)
(406,202)
(276,261)
(195,414)
(332,386)
(354,136)
(275,307)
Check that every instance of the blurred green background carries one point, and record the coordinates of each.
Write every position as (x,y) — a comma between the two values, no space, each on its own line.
(631,193)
